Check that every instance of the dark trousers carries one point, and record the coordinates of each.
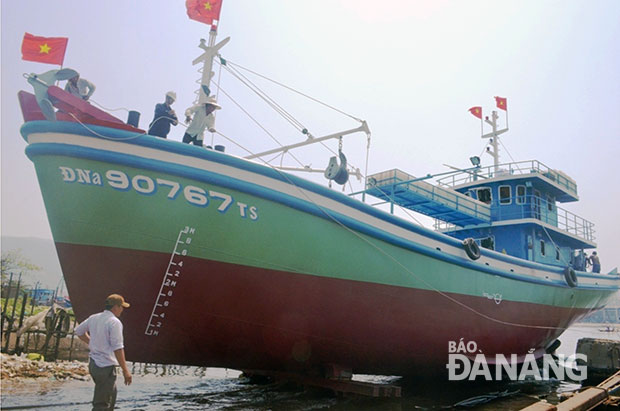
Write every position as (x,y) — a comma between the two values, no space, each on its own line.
(105,386)
(192,140)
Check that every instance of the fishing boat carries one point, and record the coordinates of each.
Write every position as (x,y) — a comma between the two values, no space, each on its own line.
(230,261)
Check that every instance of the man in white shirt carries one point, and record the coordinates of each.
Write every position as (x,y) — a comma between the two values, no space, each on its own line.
(203,119)
(80,87)
(103,332)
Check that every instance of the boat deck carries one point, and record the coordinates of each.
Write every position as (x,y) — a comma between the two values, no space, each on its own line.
(398,187)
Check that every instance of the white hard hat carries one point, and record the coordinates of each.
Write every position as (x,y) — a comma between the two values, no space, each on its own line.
(172,95)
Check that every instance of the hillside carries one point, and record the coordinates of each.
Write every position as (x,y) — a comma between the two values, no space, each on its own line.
(39,251)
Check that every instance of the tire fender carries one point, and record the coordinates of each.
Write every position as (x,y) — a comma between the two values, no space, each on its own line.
(570,276)
(471,248)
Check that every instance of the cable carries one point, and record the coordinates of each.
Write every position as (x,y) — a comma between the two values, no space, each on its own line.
(500,141)
(293,90)
(131,137)
(270,102)
(259,125)
(108,109)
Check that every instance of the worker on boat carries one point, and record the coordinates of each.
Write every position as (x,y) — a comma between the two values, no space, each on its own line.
(164,117)
(80,87)
(581,260)
(202,119)
(596,262)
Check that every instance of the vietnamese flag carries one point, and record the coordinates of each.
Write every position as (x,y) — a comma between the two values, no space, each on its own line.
(476,111)
(204,11)
(49,50)
(501,103)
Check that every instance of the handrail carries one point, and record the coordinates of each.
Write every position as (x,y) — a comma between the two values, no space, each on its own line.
(522,207)
(517,167)
(392,182)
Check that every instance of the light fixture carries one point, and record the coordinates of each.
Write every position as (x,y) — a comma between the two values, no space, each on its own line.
(475,160)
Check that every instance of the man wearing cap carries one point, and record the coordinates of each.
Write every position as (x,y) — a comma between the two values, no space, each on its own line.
(164,117)
(203,119)
(103,332)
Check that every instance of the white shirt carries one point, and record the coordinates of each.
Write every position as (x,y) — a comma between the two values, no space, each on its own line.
(106,336)
(200,121)
(84,88)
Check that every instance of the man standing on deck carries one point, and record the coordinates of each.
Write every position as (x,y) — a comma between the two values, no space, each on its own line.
(103,332)
(596,263)
(203,119)
(164,117)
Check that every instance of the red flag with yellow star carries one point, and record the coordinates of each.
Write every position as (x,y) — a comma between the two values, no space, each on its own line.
(476,111)
(204,11)
(501,102)
(49,50)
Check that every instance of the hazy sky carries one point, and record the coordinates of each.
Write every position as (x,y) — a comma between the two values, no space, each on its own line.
(409,68)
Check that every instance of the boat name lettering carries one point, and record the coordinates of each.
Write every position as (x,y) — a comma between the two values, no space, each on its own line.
(79,175)
(196,196)
(461,346)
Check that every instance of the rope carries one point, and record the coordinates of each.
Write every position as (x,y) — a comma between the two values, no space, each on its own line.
(270,102)
(509,155)
(109,109)
(293,90)
(556,246)
(131,137)
(273,104)
(259,125)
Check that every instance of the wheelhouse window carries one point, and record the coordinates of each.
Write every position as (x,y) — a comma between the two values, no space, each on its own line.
(550,203)
(505,194)
(484,195)
(520,195)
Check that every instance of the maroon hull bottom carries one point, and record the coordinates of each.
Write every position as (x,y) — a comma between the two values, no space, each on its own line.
(226,315)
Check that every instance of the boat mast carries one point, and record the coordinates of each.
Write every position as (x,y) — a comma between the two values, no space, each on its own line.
(210,51)
(494,136)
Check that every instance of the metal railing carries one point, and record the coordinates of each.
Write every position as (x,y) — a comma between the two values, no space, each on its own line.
(390,183)
(518,167)
(521,207)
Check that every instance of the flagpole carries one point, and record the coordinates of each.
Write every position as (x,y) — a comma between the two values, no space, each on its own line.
(506,116)
(212,37)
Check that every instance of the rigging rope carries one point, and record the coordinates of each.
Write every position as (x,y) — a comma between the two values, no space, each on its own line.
(293,90)
(513,160)
(262,95)
(258,124)
(131,137)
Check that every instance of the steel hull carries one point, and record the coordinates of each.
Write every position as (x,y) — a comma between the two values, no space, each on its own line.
(229,263)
